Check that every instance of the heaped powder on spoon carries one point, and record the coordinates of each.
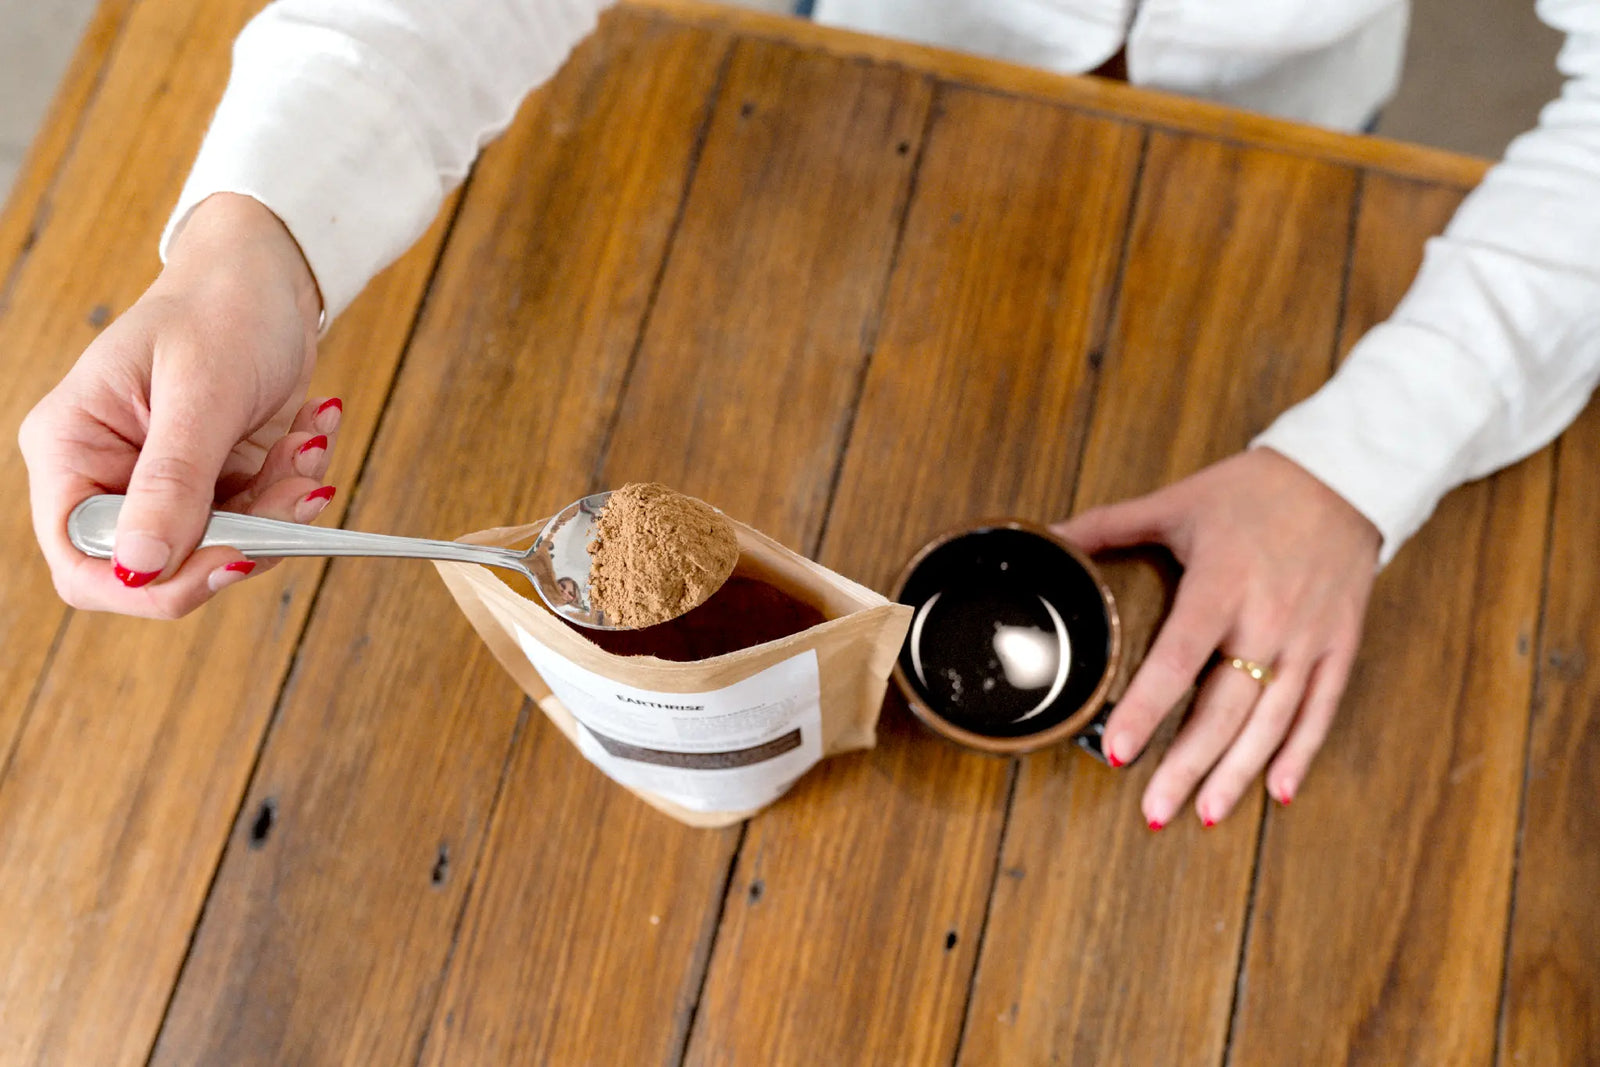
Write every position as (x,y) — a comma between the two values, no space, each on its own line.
(657,554)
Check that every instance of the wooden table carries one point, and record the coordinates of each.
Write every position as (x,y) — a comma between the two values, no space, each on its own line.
(851,291)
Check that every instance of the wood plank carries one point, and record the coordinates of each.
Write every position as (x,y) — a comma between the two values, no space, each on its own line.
(1381,903)
(588,939)
(1392,228)
(87,259)
(1552,985)
(852,920)
(1227,314)
(117,800)
(1101,96)
(327,940)
(58,134)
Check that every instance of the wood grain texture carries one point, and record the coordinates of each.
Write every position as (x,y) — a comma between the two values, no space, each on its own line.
(1105,943)
(1381,901)
(587,940)
(327,941)
(118,795)
(422,870)
(96,250)
(1151,108)
(1395,220)
(774,286)
(117,803)
(852,921)
(1552,984)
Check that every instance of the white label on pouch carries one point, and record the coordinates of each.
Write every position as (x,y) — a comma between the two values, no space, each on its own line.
(727,750)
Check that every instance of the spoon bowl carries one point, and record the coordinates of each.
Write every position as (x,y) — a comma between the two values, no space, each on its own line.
(557,564)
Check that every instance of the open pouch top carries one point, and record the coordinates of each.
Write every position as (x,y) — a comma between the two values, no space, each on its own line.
(709,741)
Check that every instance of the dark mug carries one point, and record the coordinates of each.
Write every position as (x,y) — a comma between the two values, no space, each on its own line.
(1017,639)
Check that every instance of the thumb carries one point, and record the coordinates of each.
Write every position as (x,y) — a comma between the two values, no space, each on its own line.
(173,485)
(1143,520)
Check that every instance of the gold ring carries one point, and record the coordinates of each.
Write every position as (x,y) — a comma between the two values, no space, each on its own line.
(1260,672)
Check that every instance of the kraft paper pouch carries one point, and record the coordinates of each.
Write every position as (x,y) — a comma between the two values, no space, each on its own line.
(713,741)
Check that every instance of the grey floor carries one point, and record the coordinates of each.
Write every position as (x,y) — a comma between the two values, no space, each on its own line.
(1476,72)
(36,42)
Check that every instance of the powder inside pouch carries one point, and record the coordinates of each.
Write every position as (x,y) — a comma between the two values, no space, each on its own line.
(745,612)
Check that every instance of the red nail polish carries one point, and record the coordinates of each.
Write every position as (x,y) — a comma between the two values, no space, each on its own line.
(240,566)
(1285,799)
(133,579)
(319,441)
(323,494)
(1111,758)
(1156,825)
(1208,822)
(333,402)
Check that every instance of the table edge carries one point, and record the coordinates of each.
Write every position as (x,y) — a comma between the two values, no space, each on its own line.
(1102,96)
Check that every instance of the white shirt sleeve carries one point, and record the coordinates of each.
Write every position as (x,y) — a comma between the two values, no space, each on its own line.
(1496,347)
(351,120)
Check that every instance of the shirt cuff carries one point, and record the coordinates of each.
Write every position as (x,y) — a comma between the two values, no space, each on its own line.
(1393,430)
(354,184)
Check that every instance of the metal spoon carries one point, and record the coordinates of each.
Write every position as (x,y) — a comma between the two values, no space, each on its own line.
(557,564)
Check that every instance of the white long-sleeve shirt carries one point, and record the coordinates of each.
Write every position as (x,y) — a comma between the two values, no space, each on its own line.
(1331,62)
(352,119)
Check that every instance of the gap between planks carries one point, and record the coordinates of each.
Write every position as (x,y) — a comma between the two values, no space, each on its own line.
(941,85)
(696,150)
(75,97)
(528,708)
(1536,695)
(869,348)
(1096,358)
(1266,809)
(48,158)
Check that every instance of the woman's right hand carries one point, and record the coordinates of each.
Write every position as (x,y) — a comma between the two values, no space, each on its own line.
(193,399)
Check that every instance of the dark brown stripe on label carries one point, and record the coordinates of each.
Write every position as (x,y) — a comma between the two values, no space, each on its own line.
(701,761)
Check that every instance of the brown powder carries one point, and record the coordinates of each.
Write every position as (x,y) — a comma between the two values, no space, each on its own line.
(657,554)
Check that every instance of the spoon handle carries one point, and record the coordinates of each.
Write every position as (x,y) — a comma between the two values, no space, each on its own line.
(93,524)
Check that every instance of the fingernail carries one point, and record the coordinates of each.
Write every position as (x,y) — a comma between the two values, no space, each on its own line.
(132,579)
(1111,758)
(312,503)
(1208,822)
(230,574)
(1155,825)
(139,559)
(326,417)
(309,455)
(1284,798)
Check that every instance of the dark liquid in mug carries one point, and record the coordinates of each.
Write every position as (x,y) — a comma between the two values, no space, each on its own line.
(743,613)
(1010,634)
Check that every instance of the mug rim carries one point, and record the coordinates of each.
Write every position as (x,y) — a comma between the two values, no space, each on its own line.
(1073,724)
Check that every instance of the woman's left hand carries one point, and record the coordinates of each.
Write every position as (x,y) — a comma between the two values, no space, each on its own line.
(1277,572)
